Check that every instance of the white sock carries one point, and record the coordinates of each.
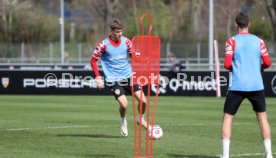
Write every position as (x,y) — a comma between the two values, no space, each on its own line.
(267,146)
(124,121)
(225,147)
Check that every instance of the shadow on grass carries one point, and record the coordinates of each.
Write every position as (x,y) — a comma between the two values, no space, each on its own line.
(100,156)
(189,156)
(89,135)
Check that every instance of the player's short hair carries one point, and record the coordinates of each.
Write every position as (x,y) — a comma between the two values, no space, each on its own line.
(116,24)
(242,20)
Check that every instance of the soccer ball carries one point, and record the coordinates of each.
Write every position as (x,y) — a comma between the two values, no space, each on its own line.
(156,132)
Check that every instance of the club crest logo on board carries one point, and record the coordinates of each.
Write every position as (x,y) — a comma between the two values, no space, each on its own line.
(5,82)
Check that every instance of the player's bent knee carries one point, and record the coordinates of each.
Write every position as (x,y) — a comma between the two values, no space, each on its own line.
(124,105)
(123,101)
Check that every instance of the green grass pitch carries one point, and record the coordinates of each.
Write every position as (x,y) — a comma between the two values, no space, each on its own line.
(89,127)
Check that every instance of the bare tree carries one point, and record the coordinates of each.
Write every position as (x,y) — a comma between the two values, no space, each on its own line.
(6,12)
(228,14)
(135,14)
(246,8)
(107,9)
(197,6)
(178,8)
(271,8)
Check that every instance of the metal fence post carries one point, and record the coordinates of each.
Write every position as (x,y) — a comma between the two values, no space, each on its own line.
(198,48)
(51,53)
(22,52)
(168,49)
(80,53)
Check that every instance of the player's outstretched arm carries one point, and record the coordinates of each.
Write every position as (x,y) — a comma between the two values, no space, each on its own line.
(94,66)
(265,57)
(99,50)
(266,62)
(99,80)
(229,52)
(228,62)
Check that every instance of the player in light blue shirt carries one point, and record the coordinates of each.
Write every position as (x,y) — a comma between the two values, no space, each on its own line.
(113,53)
(246,56)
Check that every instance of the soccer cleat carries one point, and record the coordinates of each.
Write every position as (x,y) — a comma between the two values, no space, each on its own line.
(124,131)
(144,124)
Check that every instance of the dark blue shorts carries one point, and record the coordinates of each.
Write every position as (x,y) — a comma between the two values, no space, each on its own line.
(120,88)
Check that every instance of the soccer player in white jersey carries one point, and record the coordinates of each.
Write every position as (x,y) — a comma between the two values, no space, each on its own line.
(246,56)
(113,52)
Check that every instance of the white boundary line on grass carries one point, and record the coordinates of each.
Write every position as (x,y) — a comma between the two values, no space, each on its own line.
(208,124)
(248,154)
(89,126)
(50,127)
(196,124)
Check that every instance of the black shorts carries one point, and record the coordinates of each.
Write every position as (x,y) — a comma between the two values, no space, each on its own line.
(234,99)
(119,88)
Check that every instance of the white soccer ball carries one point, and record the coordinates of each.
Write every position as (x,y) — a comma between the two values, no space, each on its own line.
(155,132)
